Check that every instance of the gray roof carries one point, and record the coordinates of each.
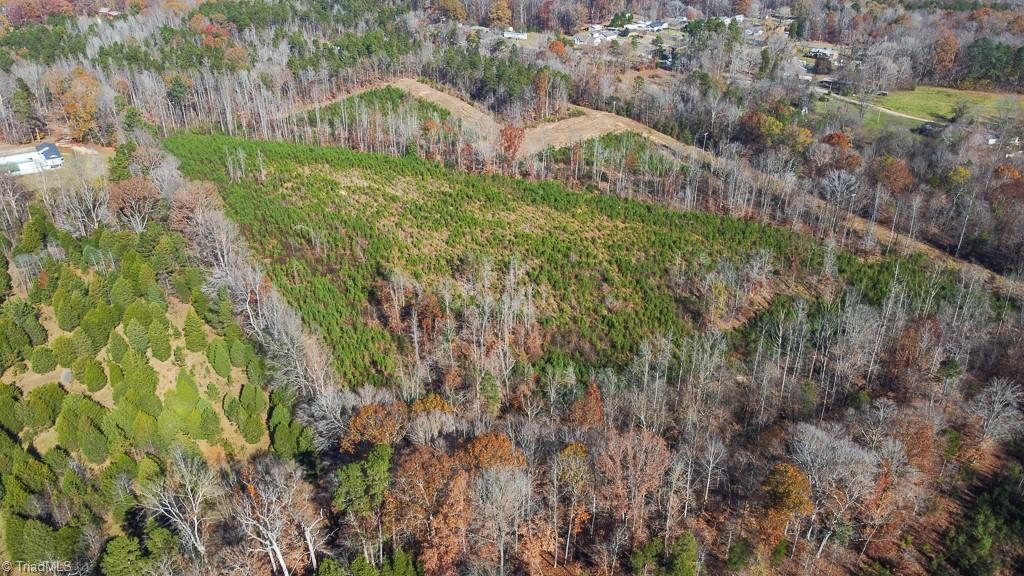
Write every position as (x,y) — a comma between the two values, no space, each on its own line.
(49,151)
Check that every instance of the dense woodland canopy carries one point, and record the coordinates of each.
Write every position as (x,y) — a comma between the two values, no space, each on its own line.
(309,322)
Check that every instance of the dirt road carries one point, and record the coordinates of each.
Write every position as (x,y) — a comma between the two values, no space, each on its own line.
(595,123)
(473,118)
(882,109)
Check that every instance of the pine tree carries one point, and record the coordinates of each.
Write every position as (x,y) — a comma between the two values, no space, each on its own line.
(124,292)
(43,360)
(401,564)
(360,567)
(116,347)
(138,336)
(5,278)
(328,567)
(122,557)
(239,354)
(25,114)
(220,360)
(683,561)
(159,342)
(64,351)
(195,337)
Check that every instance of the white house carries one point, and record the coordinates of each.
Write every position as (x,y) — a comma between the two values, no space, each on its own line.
(512,34)
(20,162)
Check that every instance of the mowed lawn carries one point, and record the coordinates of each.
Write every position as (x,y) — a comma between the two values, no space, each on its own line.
(939,103)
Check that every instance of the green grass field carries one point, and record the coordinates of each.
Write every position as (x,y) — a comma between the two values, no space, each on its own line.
(873,121)
(939,103)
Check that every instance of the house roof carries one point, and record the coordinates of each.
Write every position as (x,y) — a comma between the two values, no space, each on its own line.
(49,151)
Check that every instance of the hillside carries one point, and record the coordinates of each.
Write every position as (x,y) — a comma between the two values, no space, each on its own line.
(607,272)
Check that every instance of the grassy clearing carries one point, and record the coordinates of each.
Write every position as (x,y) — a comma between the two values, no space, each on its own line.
(329,222)
(873,120)
(384,102)
(939,103)
(80,162)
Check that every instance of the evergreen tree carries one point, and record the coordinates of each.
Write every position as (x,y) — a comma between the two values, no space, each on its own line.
(360,567)
(122,557)
(69,308)
(684,556)
(25,114)
(328,567)
(138,336)
(239,354)
(159,342)
(119,164)
(5,278)
(64,351)
(124,292)
(195,337)
(217,355)
(43,360)
(116,347)
(401,564)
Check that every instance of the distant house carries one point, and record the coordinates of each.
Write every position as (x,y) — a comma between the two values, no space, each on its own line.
(30,161)
(513,35)
(638,26)
(586,40)
(820,53)
(658,26)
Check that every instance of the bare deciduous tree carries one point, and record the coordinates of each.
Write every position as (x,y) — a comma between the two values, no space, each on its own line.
(185,498)
(998,410)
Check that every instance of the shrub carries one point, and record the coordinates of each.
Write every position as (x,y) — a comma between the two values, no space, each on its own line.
(43,360)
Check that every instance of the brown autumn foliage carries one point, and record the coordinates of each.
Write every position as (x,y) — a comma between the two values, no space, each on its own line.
(188,201)
(893,174)
(427,502)
(787,494)
(947,45)
(631,466)
(587,411)
(837,140)
(491,450)
(376,424)
(133,199)
(909,362)
(511,141)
